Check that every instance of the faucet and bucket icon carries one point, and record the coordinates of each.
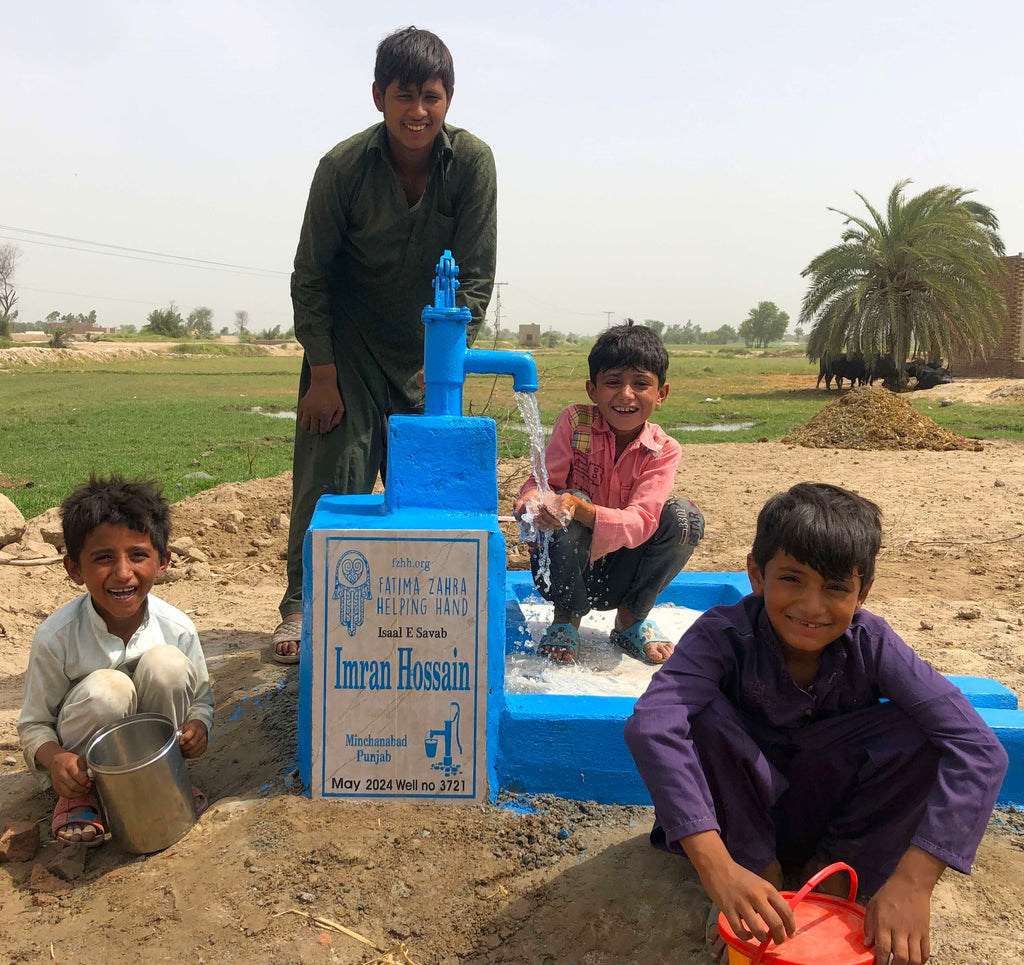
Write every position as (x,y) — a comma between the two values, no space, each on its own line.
(449,731)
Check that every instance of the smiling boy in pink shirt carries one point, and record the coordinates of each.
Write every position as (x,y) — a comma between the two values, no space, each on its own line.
(616,538)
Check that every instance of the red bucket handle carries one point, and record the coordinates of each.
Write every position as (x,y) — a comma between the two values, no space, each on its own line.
(814,880)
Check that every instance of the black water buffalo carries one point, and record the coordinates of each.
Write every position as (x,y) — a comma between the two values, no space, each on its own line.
(883,367)
(928,374)
(841,367)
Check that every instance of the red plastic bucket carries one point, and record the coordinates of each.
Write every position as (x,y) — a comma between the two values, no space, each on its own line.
(829,931)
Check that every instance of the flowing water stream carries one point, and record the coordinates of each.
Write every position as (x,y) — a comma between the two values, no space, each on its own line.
(526,402)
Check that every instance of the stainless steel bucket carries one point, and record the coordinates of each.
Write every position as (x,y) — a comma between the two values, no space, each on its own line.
(143,784)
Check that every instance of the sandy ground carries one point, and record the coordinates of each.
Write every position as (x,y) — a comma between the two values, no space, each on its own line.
(575,882)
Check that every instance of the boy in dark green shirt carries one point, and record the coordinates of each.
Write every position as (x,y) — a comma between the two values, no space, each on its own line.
(383,206)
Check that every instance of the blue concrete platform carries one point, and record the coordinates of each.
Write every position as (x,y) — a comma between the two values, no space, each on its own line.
(572,746)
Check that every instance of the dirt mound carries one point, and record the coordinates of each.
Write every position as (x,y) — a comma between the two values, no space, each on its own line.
(1009,391)
(236,522)
(871,417)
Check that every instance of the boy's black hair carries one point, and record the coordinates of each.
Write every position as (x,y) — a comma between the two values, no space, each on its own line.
(827,528)
(412,57)
(137,504)
(629,346)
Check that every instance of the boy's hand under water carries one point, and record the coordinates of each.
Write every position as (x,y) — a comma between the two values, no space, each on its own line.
(546,511)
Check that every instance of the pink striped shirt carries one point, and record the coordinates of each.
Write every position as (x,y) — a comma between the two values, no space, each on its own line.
(628,494)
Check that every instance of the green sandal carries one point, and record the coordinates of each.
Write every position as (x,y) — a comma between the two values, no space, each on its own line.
(561,635)
(634,640)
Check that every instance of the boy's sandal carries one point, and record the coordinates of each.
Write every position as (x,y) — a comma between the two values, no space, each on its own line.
(288,631)
(635,639)
(78,810)
(563,635)
(717,948)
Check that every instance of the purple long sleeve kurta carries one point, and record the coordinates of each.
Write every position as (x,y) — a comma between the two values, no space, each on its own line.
(734,650)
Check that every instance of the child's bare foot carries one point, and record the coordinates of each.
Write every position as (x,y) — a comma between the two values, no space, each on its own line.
(77,821)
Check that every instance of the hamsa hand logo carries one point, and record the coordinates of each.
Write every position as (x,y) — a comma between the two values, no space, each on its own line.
(351,588)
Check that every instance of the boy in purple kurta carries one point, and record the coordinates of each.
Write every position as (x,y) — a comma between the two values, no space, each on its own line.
(794,729)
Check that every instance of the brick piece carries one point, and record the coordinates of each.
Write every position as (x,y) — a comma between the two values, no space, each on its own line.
(42,880)
(67,863)
(19,841)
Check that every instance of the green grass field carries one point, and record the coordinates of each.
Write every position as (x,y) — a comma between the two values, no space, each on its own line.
(171,418)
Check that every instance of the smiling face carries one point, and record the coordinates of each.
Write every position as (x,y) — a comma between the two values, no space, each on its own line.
(118,566)
(806,610)
(413,118)
(626,397)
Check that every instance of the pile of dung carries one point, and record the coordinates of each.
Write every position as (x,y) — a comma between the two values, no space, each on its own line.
(871,417)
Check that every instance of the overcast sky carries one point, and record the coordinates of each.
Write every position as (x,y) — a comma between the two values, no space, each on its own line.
(659,160)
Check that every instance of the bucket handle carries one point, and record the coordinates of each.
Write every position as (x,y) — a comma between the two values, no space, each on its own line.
(815,879)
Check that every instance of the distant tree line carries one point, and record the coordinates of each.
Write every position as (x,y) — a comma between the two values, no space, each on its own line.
(56,320)
(169,323)
(690,334)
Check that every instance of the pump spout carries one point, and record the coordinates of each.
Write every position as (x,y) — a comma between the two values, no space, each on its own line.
(519,365)
(447,361)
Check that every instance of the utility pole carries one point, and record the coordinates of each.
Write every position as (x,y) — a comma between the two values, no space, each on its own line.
(498,285)
(608,323)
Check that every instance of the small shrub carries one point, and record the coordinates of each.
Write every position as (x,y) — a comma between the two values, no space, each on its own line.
(60,337)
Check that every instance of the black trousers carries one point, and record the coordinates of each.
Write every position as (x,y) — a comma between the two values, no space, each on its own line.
(626,577)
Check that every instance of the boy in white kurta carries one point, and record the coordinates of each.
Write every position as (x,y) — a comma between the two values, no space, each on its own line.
(112,652)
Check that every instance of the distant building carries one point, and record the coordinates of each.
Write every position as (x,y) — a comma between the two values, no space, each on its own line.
(1007,358)
(529,336)
(87,329)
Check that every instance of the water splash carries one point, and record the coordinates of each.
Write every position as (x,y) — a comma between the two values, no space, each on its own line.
(601,669)
(526,402)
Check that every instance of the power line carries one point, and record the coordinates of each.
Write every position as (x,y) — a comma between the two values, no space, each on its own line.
(497,310)
(105,298)
(135,252)
(265,272)
(112,298)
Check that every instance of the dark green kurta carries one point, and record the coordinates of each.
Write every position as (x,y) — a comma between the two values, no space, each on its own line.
(365,261)
(363,273)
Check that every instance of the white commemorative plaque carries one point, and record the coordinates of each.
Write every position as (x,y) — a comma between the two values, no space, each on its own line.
(399,670)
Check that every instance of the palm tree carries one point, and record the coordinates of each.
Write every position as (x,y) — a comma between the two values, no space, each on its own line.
(920,276)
